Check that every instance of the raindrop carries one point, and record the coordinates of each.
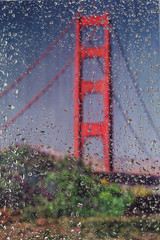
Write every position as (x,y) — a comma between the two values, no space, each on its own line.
(129,121)
(80,205)
(79,224)
(11,107)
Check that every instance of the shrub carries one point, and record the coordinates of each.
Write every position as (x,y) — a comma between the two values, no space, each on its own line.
(76,191)
(22,169)
(44,187)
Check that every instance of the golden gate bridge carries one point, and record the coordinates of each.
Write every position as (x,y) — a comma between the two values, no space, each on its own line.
(103,129)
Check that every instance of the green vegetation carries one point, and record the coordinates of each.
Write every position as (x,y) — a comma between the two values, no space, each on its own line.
(50,199)
(41,186)
(77,192)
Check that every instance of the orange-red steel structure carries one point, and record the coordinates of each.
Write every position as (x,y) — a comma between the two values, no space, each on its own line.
(83,130)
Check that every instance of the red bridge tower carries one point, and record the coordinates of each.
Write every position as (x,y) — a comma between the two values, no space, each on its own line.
(102,129)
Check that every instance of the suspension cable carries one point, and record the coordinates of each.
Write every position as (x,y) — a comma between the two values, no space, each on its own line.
(136,86)
(38,95)
(33,65)
(131,128)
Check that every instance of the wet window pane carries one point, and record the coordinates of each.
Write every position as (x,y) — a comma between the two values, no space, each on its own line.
(79,119)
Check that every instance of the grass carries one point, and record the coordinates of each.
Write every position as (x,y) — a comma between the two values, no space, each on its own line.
(107,228)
